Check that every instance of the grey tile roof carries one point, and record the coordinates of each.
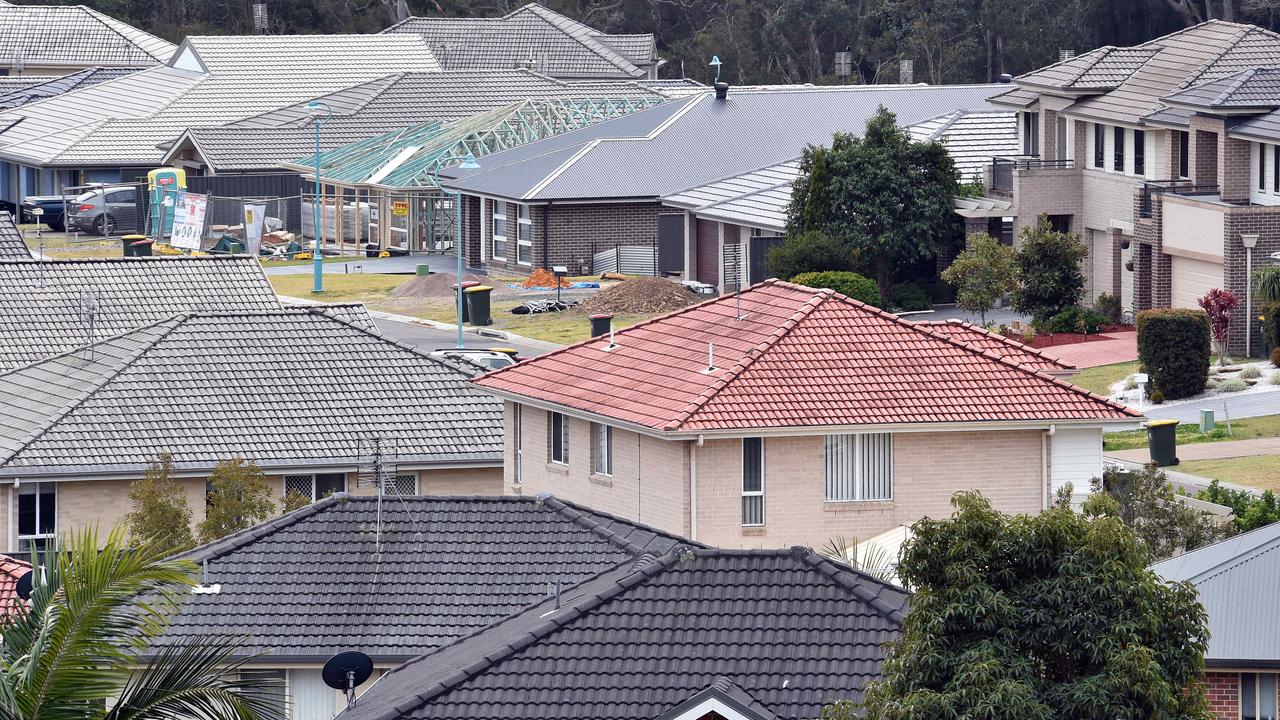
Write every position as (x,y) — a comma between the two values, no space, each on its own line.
(1253,89)
(725,691)
(760,198)
(696,140)
(311,584)
(532,36)
(1103,68)
(792,630)
(75,36)
(210,81)
(41,301)
(1015,97)
(56,86)
(13,246)
(285,388)
(1235,579)
(353,313)
(383,105)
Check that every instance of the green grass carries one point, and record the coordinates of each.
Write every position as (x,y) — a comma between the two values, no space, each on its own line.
(561,328)
(339,287)
(1257,471)
(1100,379)
(1189,433)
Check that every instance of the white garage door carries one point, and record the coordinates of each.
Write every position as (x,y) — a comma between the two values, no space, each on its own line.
(1192,279)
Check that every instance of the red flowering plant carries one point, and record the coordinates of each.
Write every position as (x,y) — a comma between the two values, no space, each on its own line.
(1219,304)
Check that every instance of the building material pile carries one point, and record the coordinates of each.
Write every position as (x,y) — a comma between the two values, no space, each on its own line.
(642,295)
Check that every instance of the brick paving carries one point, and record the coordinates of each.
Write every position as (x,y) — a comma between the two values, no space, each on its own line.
(1119,347)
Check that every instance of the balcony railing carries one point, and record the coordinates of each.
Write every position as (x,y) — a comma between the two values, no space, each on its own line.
(1151,188)
(1002,170)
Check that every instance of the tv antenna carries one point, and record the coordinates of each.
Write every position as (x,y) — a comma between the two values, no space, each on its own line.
(347,671)
(88,313)
(378,468)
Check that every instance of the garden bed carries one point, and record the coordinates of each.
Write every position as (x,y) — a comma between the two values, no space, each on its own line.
(1055,339)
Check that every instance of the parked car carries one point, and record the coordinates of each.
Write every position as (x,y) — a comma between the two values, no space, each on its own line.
(492,359)
(53,206)
(106,211)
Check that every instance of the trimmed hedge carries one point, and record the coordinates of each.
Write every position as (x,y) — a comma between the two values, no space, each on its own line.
(1271,322)
(842,281)
(1173,347)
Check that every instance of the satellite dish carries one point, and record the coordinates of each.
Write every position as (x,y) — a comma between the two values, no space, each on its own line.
(347,671)
(24,585)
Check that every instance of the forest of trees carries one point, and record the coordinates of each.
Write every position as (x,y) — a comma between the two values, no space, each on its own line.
(769,41)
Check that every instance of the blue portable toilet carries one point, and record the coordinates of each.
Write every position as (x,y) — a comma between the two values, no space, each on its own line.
(161,183)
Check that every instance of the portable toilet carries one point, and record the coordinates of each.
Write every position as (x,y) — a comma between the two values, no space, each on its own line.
(162,183)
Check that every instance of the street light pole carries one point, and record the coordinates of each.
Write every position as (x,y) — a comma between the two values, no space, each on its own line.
(468,163)
(321,112)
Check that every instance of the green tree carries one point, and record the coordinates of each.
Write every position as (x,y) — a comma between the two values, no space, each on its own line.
(1249,511)
(1049,276)
(238,498)
(1054,616)
(293,500)
(1145,502)
(887,195)
(982,274)
(96,608)
(808,252)
(159,512)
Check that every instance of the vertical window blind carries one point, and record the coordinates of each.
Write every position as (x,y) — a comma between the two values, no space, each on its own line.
(859,467)
(752,481)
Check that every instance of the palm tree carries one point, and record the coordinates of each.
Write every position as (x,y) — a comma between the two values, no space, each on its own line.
(873,559)
(1266,283)
(79,650)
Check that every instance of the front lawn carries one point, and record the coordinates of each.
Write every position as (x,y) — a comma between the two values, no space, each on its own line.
(1256,471)
(1189,433)
(339,287)
(562,328)
(1100,379)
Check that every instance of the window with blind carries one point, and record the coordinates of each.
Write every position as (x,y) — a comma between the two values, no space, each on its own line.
(517,422)
(752,481)
(559,438)
(859,467)
(1257,696)
(602,449)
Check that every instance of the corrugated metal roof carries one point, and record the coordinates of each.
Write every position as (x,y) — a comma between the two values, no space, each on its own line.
(1235,579)
(75,36)
(693,141)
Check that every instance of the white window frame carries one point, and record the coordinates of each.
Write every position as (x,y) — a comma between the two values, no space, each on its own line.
(847,453)
(25,540)
(743,483)
(285,483)
(554,418)
(602,449)
(524,233)
(1257,693)
(517,422)
(1265,153)
(499,213)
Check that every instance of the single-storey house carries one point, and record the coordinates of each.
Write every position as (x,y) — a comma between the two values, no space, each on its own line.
(692,634)
(573,199)
(1233,579)
(538,38)
(788,415)
(312,396)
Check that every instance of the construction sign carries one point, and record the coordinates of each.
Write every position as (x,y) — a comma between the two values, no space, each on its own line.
(188,220)
(400,208)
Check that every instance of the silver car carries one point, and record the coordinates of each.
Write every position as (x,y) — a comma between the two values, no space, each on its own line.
(106,211)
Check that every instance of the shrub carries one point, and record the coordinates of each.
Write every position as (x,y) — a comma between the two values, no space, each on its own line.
(1219,304)
(1156,397)
(982,274)
(810,251)
(1130,383)
(1212,384)
(1073,320)
(1233,385)
(1250,372)
(1174,347)
(1049,275)
(848,283)
(1108,306)
(911,297)
(1271,324)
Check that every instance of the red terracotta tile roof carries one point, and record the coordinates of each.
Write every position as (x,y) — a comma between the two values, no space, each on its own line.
(1012,350)
(10,570)
(798,357)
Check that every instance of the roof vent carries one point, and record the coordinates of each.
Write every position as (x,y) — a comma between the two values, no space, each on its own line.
(601,323)
(722,90)
(711,360)
(1064,55)
(1006,78)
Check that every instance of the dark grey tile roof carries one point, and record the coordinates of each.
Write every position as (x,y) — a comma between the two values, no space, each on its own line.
(285,388)
(792,630)
(75,35)
(66,83)
(385,105)
(1253,89)
(532,36)
(13,246)
(42,302)
(312,583)
(1236,579)
(696,140)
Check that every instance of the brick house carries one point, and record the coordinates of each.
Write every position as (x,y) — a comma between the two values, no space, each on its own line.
(302,393)
(1233,579)
(574,198)
(1158,157)
(788,415)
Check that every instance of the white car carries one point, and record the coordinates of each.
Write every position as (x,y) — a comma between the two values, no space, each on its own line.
(490,359)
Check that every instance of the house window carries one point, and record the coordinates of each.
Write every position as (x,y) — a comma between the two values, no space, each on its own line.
(1184,153)
(559,438)
(37,515)
(315,487)
(1275,169)
(275,694)
(403,484)
(752,482)
(500,230)
(517,423)
(1117,152)
(1099,145)
(601,449)
(1257,696)
(1262,167)
(859,467)
(524,236)
(1139,152)
(1031,133)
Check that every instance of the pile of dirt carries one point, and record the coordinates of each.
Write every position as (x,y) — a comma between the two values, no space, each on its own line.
(440,285)
(644,296)
(544,278)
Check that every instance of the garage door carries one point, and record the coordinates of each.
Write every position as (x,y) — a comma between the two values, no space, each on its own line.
(1192,279)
